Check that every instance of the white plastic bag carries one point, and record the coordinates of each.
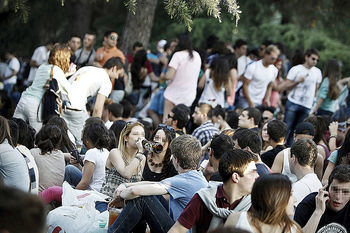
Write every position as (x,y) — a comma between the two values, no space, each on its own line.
(74,197)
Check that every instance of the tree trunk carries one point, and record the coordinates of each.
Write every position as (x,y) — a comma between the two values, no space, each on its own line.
(138,27)
(79,17)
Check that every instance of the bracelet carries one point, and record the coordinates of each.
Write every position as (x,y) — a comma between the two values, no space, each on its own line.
(333,136)
(125,185)
(138,158)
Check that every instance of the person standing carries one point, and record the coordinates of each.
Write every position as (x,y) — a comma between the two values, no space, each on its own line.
(302,81)
(10,77)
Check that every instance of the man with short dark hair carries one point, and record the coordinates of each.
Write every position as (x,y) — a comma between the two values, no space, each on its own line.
(276,130)
(178,118)
(258,79)
(85,56)
(211,206)
(109,49)
(249,140)
(144,205)
(327,210)
(219,144)
(250,119)
(115,112)
(202,117)
(303,81)
(302,163)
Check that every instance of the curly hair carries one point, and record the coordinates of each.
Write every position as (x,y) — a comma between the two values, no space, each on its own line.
(60,56)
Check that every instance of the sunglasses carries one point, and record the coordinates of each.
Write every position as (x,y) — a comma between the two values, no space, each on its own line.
(165,126)
(113,37)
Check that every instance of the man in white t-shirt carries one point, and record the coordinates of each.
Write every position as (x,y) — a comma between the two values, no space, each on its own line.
(303,81)
(302,161)
(40,56)
(258,79)
(10,77)
(242,59)
(89,81)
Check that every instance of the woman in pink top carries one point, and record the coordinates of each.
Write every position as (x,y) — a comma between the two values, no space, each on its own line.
(183,71)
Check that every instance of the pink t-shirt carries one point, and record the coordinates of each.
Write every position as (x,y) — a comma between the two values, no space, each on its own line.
(182,88)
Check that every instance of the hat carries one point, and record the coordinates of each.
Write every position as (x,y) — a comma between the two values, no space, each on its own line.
(305,128)
(161,43)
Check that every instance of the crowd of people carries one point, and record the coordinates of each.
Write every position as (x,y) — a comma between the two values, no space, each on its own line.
(183,139)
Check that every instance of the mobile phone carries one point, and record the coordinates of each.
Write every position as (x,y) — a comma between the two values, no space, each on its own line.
(75,154)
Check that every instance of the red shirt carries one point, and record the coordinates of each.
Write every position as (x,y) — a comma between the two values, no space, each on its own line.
(148,65)
(197,214)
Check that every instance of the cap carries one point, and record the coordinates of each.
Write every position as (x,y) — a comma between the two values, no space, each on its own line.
(305,128)
(161,43)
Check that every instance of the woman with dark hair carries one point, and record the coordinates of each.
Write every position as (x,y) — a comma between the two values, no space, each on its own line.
(13,167)
(48,157)
(340,156)
(329,90)
(28,106)
(272,206)
(183,72)
(96,139)
(159,165)
(66,143)
(139,72)
(321,129)
(117,128)
(216,82)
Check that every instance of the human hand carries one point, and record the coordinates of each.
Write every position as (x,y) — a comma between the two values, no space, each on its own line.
(118,190)
(99,57)
(139,145)
(301,79)
(321,198)
(333,128)
(72,160)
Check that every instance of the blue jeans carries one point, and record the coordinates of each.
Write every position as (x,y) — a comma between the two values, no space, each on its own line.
(152,209)
(294,114)
(72,175)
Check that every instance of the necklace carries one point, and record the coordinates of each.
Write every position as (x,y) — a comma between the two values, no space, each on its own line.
(153,164)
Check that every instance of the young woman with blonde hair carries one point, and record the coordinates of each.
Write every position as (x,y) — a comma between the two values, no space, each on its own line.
(272,206)
(125,164)
(28,107)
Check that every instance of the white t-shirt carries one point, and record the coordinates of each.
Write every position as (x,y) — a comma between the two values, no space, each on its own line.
(99,158)
(304,93)
(242,63)
(260,77)
(40,55)
(210,94)
(88,81)
(306,185)
(12,66)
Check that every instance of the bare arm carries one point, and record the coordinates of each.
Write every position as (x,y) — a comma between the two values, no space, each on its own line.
(116,159)
(86,177)
(245,91)
(327,172)
(170,74)
(277,166)
(201,82)
(333,129)
(178,228)
(290,84)
(319,166)
(34,64)
(153,77)
(143,190)
(100,100)
(318,104)
(14,72)
(268,94)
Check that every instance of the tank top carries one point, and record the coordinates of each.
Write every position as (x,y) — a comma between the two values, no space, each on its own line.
(243,222)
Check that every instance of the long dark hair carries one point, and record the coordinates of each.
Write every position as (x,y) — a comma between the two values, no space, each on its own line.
(344,150)
(185,43)
(138,62)
(271,209)
(333,71)
(66,143)
(321,129)
(170,135)
(5,132)
(220,72)
(26,136)
(49,138)
(98,135)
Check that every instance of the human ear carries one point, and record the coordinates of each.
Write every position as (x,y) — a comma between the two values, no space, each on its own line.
(235,177)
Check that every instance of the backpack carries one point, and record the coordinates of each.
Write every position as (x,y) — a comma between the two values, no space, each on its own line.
(51,100)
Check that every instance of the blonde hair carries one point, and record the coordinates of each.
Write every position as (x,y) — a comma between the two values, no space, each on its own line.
(122,143)
(272,48)
(60,56)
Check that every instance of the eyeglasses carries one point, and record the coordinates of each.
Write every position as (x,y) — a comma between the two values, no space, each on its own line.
(113,37)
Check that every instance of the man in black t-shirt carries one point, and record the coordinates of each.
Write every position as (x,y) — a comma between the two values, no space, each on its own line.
(328,210)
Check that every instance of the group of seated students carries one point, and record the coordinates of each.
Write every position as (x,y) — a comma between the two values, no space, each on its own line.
(221,178)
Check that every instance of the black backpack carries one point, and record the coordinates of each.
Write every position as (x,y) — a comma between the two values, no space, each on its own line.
(51,101)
